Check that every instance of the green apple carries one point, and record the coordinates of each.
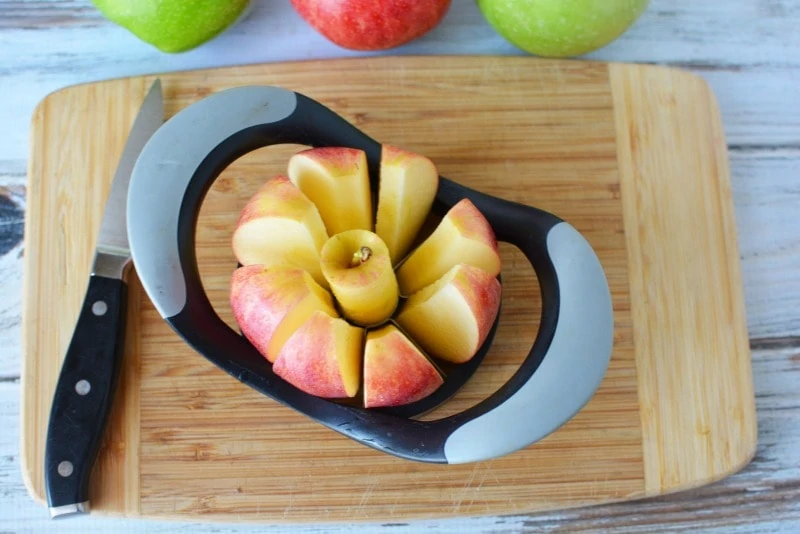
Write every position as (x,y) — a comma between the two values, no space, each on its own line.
(561,28)
(174,25)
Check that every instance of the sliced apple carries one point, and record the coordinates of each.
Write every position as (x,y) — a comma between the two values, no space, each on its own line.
(451,318)
(463,236)
(358,269)
(336,179)
(320,291)
(322,357)
(314,301)
(396,372)
(279,225)
(408,186)
(261,298)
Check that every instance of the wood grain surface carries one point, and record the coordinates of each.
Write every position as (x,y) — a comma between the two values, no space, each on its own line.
(744,49)
(553,134)
(687,308)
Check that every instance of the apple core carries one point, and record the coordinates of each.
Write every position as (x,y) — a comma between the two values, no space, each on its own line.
(358,269)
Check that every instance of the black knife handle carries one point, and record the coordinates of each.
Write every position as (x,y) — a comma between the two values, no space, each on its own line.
(83,395)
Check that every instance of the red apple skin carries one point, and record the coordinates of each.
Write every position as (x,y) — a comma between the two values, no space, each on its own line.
(256,307)
(396,372)
(472,222)
(309,359)
(483,293)
(279,187)
(455,336)
(372,24)
(338,159)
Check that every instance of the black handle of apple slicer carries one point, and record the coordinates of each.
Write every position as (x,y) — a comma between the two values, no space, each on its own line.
(567,360)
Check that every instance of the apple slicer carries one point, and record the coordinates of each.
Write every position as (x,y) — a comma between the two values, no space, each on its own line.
(567,360)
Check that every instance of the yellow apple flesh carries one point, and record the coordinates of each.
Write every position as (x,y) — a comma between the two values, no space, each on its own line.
(323,357)
(262,299)
(408,186)
(396,372)
(463,236)
(358,269)
(337,181)
(314,301)
(280,226)
(451,318)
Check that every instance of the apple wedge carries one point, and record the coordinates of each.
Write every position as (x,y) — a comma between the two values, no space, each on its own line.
(396,372)
(408,186)
(262,298)
(463,236)
(336,179)
(322,357)
(280,226)
(313,301)
(451,318)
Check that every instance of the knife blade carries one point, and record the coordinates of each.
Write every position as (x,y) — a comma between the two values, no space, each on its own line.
(85,389)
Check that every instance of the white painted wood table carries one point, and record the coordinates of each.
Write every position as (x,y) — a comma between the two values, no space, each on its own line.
(748,50)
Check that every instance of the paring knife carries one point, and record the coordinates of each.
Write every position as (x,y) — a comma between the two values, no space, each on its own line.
(85,389)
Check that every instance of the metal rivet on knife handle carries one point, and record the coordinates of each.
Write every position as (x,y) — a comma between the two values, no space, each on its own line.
(99,308)
(65,468)
(83,387)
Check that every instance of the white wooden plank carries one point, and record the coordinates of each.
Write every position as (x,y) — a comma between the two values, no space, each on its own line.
(764,497)
(767,202)
(10,176)
(725,33)
(745,49)
(760,106)
(12,205)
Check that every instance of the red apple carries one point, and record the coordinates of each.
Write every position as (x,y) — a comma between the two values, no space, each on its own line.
(372,24)
(327,257)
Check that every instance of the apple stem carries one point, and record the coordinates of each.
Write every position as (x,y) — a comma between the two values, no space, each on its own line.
(361,256)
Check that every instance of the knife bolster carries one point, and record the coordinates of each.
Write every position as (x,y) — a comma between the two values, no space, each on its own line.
(111,263)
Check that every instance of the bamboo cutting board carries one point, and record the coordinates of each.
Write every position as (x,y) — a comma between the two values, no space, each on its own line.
(633,156)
